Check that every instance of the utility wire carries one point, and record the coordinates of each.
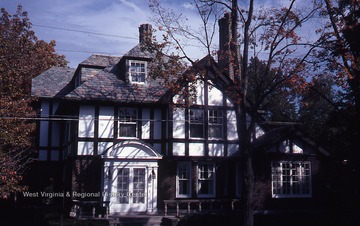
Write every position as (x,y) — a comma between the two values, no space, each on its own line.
(86,32)
(124,121)
(84,51)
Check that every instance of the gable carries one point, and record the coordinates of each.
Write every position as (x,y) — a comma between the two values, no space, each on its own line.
(287,140)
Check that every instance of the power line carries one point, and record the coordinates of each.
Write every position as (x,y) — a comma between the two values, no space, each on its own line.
(137,120)
(87,51)
(98,33)
(86,32)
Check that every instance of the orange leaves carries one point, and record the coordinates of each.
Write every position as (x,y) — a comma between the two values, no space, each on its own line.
(22,57)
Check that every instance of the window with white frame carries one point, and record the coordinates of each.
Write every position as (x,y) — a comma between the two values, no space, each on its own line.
(206,180)
(196,119)
(215,124)
(183,180)
(137,71)
(291,179)
(127,122)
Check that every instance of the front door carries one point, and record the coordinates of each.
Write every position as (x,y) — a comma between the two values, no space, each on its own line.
(129,185)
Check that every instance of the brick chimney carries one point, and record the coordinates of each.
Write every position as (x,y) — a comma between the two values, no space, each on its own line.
(225,33)
(225,37)
(145,33)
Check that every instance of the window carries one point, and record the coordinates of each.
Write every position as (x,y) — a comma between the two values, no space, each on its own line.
(137,71)
(291,179)
(139,185)
(127,122)
(196,123)
(123,185)
(206,180)
(215,124)
(183,185)
(131,185)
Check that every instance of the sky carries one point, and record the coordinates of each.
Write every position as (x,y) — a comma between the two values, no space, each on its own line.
(110,27)
(83,27)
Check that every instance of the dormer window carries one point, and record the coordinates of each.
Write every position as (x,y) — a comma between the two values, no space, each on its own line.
(137,71)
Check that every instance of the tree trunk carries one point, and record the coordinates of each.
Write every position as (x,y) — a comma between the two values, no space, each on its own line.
(246,165)
(248,189)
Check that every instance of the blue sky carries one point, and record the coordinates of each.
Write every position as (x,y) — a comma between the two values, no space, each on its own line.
(119,19)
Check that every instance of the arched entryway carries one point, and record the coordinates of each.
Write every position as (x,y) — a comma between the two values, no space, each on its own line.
(130,178)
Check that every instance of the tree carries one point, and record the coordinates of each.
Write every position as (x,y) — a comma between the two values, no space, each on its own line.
(339,59)
(280,105)
(343,45)
(22,57)
(315,106)
(272,31)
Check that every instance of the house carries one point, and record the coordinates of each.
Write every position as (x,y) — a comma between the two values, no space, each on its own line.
(110,136)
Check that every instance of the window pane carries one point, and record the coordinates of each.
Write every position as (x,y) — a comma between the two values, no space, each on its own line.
(127,130)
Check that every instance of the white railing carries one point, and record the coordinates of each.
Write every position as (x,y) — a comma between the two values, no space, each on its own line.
(221,204)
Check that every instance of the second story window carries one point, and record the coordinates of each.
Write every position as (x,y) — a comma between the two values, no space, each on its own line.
(127,122)
(215,124)
(196,118)
(137,71)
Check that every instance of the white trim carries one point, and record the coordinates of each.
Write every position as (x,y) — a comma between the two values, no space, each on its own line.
(145,73)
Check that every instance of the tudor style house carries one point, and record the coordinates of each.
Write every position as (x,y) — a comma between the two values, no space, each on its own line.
(120,139)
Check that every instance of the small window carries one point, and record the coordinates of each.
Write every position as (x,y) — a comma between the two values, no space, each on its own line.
(183,180)
(215,124)
(127,122)
(291,179)
(137,71)
(196,119)
(206,180)
(288,146)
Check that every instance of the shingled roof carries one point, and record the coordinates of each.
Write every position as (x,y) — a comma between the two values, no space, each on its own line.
(52,82)
(139,52)
(100,60)
(101,78)
(107,86)
(104,85)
